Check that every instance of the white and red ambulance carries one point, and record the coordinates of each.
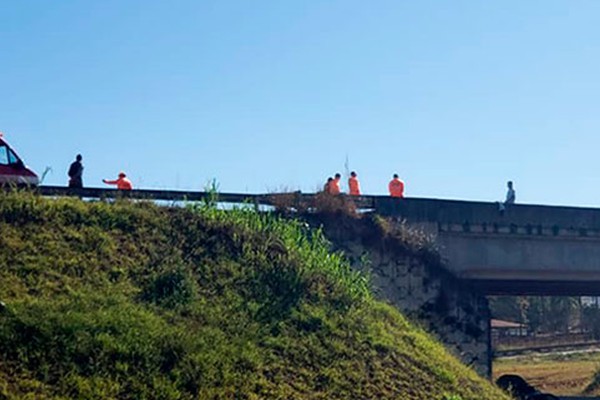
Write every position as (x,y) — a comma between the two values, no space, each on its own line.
(12,168)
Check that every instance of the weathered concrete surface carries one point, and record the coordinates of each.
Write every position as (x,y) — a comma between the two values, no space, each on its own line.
(525,250)
(456,211)
(420,287)
(521,265)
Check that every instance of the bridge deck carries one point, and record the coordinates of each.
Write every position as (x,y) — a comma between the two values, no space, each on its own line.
(417,209)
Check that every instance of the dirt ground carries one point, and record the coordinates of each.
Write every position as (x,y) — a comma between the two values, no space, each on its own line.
(559,377)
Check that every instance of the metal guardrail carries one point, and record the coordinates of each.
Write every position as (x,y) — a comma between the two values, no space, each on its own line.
(466,216)
(150,194)
(363,202)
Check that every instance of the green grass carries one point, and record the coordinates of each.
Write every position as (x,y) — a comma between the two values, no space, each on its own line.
(133,301)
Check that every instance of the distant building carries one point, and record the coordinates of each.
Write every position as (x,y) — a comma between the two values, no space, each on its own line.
(502,328)
(587,301)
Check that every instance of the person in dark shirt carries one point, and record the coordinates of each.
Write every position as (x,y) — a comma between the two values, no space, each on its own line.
(76,173)
(327,187)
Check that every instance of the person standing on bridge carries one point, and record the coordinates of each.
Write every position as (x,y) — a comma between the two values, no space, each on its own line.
(334,186)
(327,186)
(396,187)
(76,173)
(353,185)
(122,182)
(511,195)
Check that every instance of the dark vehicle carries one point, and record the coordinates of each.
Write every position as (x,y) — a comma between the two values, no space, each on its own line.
(518,387)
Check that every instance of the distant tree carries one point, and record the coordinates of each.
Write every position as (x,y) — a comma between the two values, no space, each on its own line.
(540,314)
(590,320)
(509,308)
(561,311)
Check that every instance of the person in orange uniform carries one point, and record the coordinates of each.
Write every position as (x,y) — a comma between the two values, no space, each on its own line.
(334,186)
(396,187)
(353,185)
(122,182)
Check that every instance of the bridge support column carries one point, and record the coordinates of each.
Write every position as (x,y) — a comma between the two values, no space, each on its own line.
(424,291)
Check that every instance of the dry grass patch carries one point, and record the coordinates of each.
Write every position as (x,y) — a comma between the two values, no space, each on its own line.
(320,203)
(567,377)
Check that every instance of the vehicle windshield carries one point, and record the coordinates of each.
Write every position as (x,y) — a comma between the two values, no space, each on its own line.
(7,156)
(12,157)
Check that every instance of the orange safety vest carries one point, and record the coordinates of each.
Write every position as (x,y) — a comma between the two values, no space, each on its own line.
(334,187)
(122,183)
(396,188)
(353,186)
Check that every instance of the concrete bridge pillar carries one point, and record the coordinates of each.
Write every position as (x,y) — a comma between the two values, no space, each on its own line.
(421,288)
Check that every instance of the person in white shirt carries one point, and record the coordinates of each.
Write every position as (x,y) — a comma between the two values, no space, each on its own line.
(511,196)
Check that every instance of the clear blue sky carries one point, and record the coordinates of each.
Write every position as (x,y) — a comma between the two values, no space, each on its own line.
(455,96)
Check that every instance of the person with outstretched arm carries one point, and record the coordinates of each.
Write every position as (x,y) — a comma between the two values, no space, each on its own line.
(122,182)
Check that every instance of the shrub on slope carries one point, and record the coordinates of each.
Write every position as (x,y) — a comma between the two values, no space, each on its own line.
(133,301)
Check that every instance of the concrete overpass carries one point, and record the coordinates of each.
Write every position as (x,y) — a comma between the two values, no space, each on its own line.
(527,250)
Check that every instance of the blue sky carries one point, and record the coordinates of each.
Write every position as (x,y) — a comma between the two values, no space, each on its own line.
(455,96)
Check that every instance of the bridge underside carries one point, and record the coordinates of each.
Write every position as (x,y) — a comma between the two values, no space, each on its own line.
(523,250)
(519,264)
(532,282)
(507,287)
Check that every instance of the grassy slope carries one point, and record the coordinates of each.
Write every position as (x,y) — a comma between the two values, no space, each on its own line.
(135,301)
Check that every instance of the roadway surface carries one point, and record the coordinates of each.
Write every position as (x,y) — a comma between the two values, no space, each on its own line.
(533,219)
